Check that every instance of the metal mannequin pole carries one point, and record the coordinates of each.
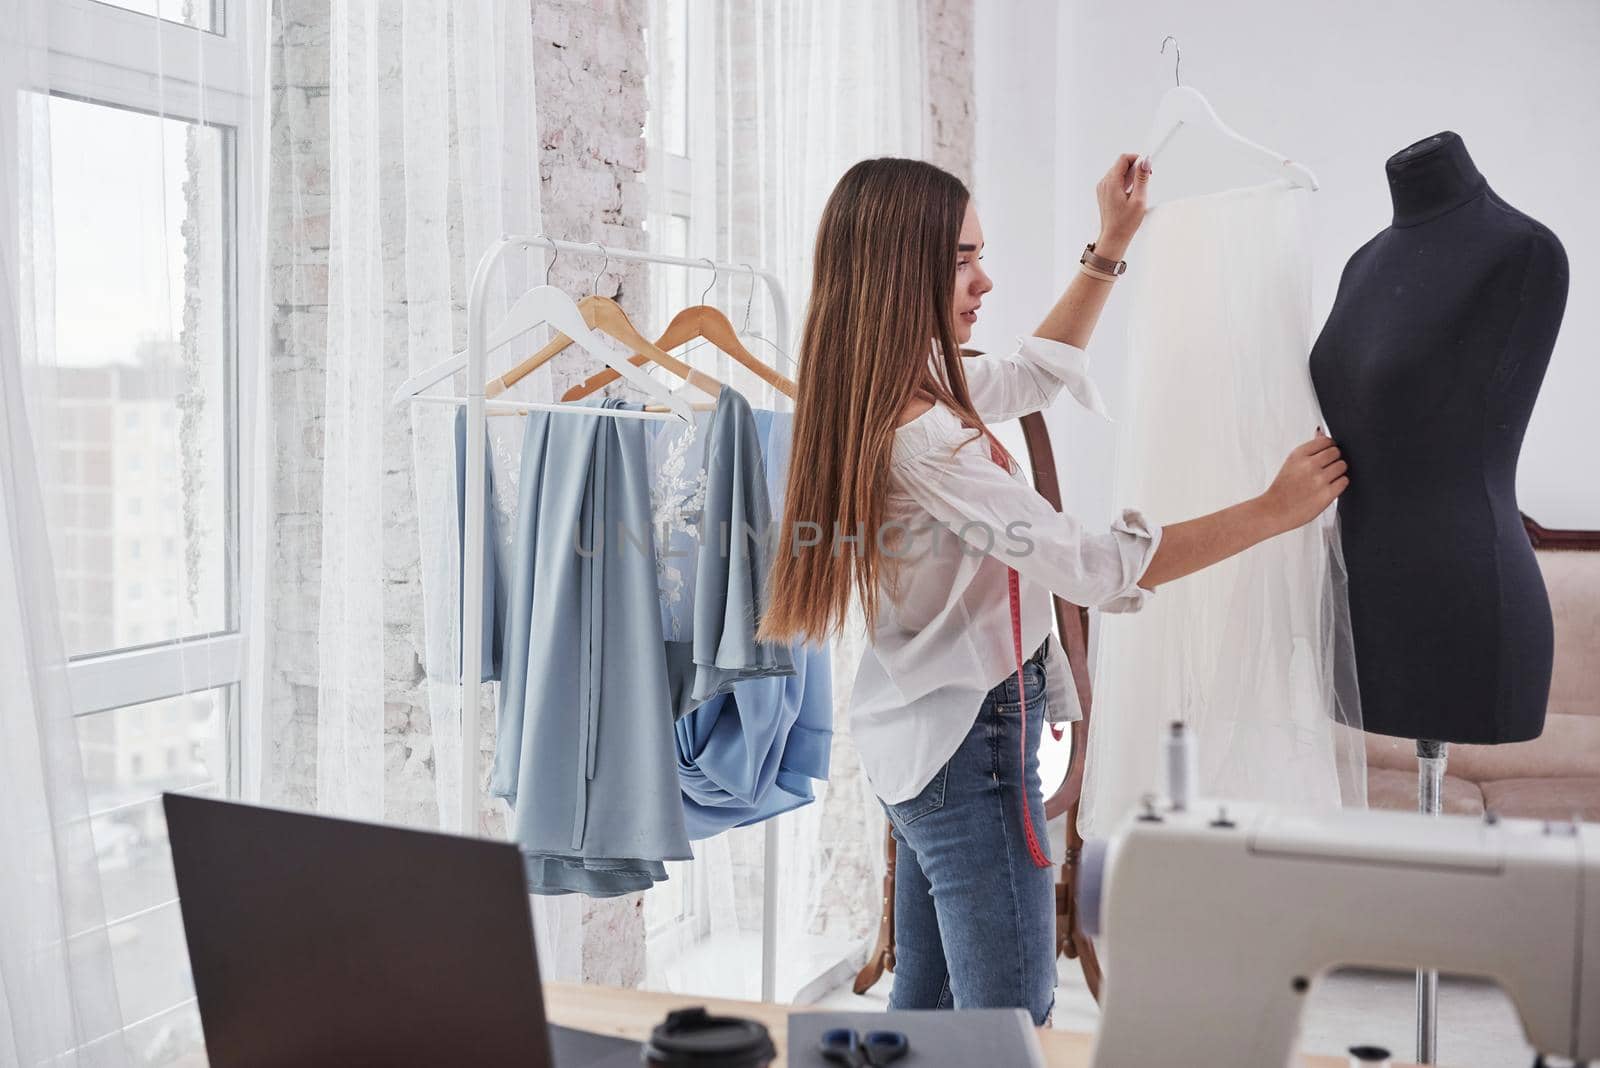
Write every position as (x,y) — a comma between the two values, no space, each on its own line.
(1431,757)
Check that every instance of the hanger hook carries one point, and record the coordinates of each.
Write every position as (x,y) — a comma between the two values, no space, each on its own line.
(715,274)
(607,253)
(749,301)
(1177,66)
(555,254)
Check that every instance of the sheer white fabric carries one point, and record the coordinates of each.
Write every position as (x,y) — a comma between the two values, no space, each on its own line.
(432,155)
(1253,654)
(57,988)
(781,99)
(120,203)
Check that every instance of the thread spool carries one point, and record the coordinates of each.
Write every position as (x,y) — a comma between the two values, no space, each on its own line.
(1181,767)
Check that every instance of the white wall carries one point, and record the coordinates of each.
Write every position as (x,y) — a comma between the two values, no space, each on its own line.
(1061,89)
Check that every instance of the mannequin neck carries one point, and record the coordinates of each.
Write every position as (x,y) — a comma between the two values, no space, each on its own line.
(1431,177)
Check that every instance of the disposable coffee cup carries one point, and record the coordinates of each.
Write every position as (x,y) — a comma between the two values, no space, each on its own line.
(693,1038)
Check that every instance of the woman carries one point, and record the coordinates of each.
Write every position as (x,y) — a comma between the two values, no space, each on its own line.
(897,495)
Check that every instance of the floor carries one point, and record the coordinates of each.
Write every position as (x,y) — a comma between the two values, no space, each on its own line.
(1478,1027)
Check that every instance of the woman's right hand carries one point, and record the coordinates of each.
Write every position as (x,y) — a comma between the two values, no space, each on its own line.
(1310,479)
(1123,197)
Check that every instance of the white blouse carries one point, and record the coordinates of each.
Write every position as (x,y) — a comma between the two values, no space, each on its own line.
(943,639)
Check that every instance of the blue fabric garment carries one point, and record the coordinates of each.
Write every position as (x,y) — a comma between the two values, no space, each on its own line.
(591,681)
(493,600)
(974,919)
(730,568)
(585,750)
(752,753)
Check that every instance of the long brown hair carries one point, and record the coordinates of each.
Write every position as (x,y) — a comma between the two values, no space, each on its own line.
(883,274)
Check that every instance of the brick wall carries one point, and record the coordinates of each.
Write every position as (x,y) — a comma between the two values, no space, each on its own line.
(948,59)
(299,235)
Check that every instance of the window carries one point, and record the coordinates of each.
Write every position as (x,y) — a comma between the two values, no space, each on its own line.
(204,15)
(124,781)
(149,137)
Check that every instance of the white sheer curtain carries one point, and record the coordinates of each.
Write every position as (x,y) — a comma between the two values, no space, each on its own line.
(57,990)
(432,154)
(129,328)
(757,108)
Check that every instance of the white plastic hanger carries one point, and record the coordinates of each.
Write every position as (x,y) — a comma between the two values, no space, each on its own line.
(546,304)
(1182,106)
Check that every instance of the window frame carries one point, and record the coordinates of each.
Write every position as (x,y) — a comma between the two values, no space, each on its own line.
(106,55)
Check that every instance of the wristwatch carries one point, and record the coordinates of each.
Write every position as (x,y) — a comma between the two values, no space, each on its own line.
(1101,263)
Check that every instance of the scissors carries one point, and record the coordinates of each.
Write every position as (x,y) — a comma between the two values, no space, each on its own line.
(847,1046)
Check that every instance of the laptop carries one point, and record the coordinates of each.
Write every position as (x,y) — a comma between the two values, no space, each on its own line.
(315,940)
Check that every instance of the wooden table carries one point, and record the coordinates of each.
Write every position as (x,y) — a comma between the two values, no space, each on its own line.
(632,1013)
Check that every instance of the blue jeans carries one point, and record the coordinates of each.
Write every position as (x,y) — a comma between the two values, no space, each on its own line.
(974,918)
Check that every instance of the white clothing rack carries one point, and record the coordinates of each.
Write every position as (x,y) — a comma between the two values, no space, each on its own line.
(474,362)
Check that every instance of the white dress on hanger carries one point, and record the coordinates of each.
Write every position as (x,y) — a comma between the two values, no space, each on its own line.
(1254,653)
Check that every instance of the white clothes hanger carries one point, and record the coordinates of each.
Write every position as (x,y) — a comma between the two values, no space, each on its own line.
(1182,106)
(545,304)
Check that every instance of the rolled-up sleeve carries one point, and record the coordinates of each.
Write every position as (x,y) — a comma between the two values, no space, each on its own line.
(963,490)
(1029,379)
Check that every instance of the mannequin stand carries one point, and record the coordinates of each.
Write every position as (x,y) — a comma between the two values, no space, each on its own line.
(1431,758)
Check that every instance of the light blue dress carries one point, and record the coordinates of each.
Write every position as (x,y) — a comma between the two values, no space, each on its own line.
(753,752)
(729,563)
(584,753)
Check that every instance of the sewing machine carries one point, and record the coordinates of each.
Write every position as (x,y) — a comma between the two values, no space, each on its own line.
(1218,919)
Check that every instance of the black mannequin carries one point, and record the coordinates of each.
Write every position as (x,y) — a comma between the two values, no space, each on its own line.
(1427,370)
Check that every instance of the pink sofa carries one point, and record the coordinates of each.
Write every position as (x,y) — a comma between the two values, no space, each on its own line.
(1557,775)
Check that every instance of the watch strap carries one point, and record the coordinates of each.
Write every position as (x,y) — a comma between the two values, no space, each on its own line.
(1101,263)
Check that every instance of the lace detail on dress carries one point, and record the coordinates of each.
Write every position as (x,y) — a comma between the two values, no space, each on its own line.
(505,452)
(677,497)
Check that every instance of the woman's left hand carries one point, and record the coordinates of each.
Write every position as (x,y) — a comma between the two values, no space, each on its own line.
(1122,194)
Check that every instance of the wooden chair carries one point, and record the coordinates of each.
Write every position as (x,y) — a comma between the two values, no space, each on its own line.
(1072,624)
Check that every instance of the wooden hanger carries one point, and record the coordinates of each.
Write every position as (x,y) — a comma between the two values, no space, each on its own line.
(699,321)
(546,304)
(605,315)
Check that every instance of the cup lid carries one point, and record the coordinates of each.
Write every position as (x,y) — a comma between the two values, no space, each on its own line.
(695,1037)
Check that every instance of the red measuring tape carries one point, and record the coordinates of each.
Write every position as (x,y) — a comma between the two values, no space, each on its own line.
(1013,587)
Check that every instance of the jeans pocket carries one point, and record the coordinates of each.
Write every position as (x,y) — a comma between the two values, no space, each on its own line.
(931,799)
(1032,689)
